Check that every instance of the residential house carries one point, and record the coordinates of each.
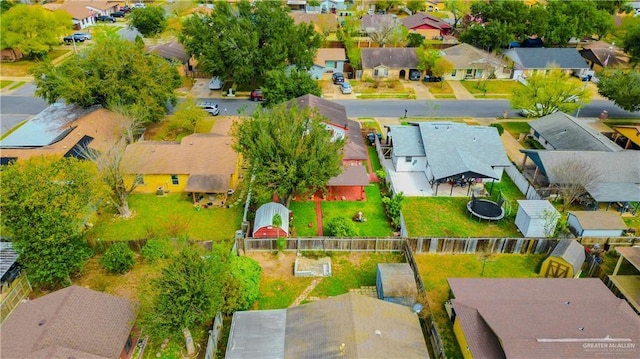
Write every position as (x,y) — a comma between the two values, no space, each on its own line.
(627,136)
(600,55)
(627,285)
(65,131)
(332,6)
(429,26)
(350,183)
(328,60)
(559,131)
(565,261)
(434,5)
(388,63)
(429,155)
(541,318)
(73,322)
(596,224)
(98,7)
(349,325)
(199,163)
(470,62)
(528,61)
(615,175)
(263,226)
(297,5)
(81,16)
(174,52)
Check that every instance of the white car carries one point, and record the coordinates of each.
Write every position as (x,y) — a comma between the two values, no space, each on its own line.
(215,83)
(138,5)
(210,107)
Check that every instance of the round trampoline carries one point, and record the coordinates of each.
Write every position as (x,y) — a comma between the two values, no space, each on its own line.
(485,209)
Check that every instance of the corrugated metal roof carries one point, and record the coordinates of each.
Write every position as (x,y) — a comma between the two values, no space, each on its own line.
(264,216)
(258,334)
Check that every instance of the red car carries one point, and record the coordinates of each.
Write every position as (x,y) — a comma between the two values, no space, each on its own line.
(256,95)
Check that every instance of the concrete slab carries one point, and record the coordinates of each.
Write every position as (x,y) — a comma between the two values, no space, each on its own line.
(411,184)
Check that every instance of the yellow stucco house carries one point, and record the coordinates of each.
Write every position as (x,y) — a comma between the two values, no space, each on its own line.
(200,163)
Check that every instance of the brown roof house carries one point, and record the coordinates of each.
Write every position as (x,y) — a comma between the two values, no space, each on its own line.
(73,322)
(81,16)
(199,163)
(388,62)
(469,63)
(542,318)
(600,55)
(328,60)
(424,24)
(174,52)
(63,130)
(350,183)
(346,326)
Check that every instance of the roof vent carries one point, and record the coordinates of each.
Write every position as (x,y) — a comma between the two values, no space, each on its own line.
(378,333)
(567,302)
(474,139)
(42,322)
(581,329)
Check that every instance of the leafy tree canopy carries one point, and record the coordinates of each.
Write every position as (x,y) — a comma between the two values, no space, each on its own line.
(247,42)
(243,287)
(631,40)
(113,72)
(623,88)
(547,93)
(44,203)
(282,85)
(290,150)
(415,39)
(577,19)
(458,9)
(149,21)
(32,29)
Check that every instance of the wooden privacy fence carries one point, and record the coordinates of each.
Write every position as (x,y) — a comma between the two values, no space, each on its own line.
(394,244)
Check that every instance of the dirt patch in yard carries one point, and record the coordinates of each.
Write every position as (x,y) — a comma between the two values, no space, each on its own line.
(275,265)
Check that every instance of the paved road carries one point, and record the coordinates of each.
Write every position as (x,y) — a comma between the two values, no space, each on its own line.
(19,106)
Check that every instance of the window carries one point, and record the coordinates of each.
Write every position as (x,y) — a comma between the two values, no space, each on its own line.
(380,72)
(330,64)
(128,345)
(174,180)
(408,159)
(140,180)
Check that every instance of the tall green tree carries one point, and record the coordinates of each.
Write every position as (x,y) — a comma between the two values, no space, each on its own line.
(188,115)
(631,40)
(281,85)
(458,8)
(44,202)
(621,87)
(112,71)
(248,41)
(547,93)
(415,5)
(415,39)
(188,292)
(32,29)
(242,287)
(493,35)
(427,58)
(579,19)
(290,150)
(149,21)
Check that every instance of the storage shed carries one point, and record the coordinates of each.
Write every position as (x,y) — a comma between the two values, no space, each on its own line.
(536,218)
(263,224)
(565,261)
(395,283)
(596,223)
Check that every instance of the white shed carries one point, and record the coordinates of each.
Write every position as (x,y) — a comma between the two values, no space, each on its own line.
(596,223)
(536,218)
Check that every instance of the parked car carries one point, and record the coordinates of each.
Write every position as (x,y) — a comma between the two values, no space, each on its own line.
(85,35)
(428,78)
(78,37)
(210,107)
(215,83)
(414,75)
(337,78)
(138,5)
(345,88)
(256,95)
(118,14)
(125,9)
(105,18)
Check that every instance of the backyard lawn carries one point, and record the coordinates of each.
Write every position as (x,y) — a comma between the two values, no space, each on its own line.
(170,215)
(162,130)
(304,218)
(435,269)
(494,88)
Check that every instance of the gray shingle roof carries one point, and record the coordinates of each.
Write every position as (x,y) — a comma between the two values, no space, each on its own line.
(465,56)
(545,58)
(571,251)
(258,334)
(71,322)
(351,176)
(265,213)
(391,57)
(409,141)
(8,257)
(453,149)
(397,280)
(565,132)
(542,317)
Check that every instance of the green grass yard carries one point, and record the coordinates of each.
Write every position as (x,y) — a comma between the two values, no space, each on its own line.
(515,128)
(5,83)
(440,90)
(494,88)
(304,218)
(435,269)
(169,215)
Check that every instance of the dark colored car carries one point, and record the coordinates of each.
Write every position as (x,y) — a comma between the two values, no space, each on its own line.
(125,9)
(118,14)
(256,95)
(75,37)
(337,78)
(104,18)
(428,78)
(414,75)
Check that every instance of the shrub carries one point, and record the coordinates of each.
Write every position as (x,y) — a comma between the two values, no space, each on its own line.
(118,258)
(394,207)
(342,227)
(243,286)
(498,127)
(281,243)
(156,249)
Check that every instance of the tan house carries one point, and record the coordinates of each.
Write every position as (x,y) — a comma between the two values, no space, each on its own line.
(80,15)
(65,131)
(469,63)
(388,63)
